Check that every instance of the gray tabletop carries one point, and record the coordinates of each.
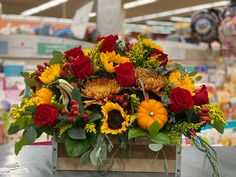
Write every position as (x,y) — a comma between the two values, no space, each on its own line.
(37,159)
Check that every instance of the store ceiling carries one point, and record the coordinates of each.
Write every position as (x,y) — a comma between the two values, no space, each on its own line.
(68,9)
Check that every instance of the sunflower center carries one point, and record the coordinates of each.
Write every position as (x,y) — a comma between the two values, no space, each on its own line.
(151,114)
(115,119)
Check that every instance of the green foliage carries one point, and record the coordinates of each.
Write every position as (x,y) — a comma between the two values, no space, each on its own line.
(30,135)
(20,124)
(136,132)
(161,138)
(165,100)
(77,133)
(193,73)
(76,95)
(154,128)
(25,74)
(20,144)
(57,58)
(198,78)
(219,126)
(94,117)
(22,92)
(76,148)
(85,158)
(30,81)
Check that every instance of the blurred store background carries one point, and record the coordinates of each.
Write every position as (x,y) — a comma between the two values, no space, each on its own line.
(197,33)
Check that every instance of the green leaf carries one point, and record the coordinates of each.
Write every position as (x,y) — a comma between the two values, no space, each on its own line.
(30,81)
(161,138)
(190,114)
(30,135)
(20,124)
(57,58)
(20,144)
(155,147)
(58,106)
(94,116)
(76,95)
(77,133)
(31,109)
(154,128)
(25,74)
(13,129)
(75,148)
(198,78)
(136,132)
(22,92)
(219,126)
(193,73)
(85,158)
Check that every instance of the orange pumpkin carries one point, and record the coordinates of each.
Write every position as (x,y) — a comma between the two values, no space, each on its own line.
(44,95)
(150,111)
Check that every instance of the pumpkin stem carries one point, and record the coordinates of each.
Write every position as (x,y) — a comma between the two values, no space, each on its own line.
(146,95)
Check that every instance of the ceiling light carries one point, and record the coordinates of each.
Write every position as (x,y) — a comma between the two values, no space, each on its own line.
(180,19)
(176,11)
(137,3)
(92,14)
(161,23)
(35,18)
(43,7)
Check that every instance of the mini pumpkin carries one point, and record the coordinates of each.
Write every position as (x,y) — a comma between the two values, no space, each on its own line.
(150,111)
(44,95)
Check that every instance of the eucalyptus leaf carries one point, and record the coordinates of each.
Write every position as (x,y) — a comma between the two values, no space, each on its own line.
(165,166)
(136,132)
(85,158)
(77,133)
(154,128)
(161,138)
(93,158)
(20,124)
(155,147)
(30,135)
(94,116)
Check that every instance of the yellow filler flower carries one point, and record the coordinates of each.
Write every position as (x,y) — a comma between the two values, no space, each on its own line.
(115,120)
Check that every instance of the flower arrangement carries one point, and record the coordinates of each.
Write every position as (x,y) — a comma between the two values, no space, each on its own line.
(86,97)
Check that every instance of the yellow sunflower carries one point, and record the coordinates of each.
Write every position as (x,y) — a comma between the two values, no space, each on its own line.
(86,52)
(185,83)
(115,121)
(50,74)
(111,59)
(152,44)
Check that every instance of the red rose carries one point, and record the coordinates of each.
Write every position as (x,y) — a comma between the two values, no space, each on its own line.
(109,43)
(125,74)
(75,52)
(81,67)
(161,57)
(201,96)
(46,115)
(181,100)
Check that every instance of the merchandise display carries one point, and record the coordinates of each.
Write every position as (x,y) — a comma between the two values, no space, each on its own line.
(117,90)
(227,33)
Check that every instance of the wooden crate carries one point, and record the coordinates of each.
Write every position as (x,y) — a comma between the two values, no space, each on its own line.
(137,158)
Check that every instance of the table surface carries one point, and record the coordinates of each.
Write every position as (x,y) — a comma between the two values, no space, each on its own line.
(37,159)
